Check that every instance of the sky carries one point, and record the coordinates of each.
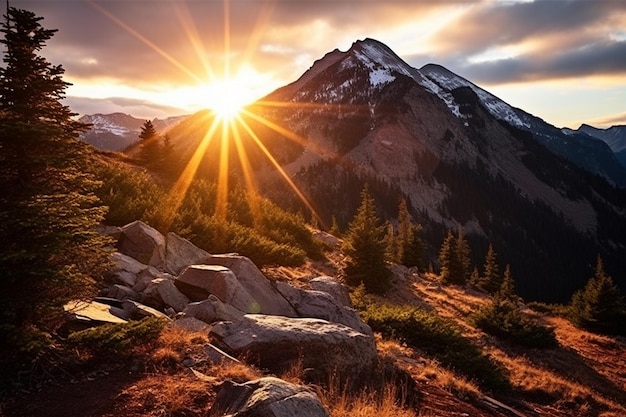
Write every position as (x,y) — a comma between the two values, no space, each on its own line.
(561,60)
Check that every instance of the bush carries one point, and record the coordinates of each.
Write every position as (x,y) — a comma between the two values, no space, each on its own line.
(119,339)
(503,319)
(427,331)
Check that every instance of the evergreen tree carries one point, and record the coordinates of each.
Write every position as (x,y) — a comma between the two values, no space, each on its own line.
(454,259)
(413,252)
(599,306)
(491,280)
(48,211)
(151,152)
(170,162)
(502,318)
(404,230)
(391,243)
(364,246)
(334,227)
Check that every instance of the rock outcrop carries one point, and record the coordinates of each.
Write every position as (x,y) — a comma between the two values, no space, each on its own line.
(266,397)
(277,342)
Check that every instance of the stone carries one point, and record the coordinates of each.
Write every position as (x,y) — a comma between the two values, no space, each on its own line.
(337,290)
(266,397)
(95,312)
(123,262)
(199,281)
(277,342)
(122,292)
(137,311)
(162,292)
(143,243)
(212,310)
(252,279)
(190,324)
(180,253)
(320,305)
(145,277)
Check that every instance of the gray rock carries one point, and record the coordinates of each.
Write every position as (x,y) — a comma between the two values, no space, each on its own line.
(96,312)
(190,324)
(122,292)
(277,342)
(212,310)
(268,299)
(199,281)
(142,242)
(162,292)
(337,290)
(180,253)
(138,311)
(320,305)
(266,397)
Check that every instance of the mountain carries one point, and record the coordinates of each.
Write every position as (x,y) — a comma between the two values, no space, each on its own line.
(117,131)
(461,157)
(614,136)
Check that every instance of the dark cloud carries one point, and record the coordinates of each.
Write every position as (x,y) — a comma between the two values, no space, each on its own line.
(604,58)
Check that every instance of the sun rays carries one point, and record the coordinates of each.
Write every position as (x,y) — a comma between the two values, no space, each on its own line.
(228,122)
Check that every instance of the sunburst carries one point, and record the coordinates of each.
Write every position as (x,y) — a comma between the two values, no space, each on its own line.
(227,98)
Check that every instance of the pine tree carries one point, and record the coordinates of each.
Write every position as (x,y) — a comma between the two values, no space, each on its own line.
(491,280)
(334,227)
(151,151)
(48,211)
(599,306)
(364,247)
(454,259)
(170,162)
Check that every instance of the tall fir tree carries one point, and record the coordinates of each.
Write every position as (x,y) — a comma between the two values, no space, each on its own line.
(454,259)
(48,211)
(364,245)
(599,306)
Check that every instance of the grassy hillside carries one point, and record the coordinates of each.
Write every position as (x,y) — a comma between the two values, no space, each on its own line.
(583,376)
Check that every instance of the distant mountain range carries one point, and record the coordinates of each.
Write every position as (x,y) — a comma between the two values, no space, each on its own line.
(549,200)
(118,131)
(614,136)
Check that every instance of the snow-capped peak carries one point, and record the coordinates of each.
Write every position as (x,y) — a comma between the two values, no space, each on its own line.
(498,108)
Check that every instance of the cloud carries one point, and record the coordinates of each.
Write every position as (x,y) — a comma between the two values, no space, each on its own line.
(613,120)
(543,40)
(138,108)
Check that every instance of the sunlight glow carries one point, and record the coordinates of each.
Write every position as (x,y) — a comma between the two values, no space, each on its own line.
(226,96)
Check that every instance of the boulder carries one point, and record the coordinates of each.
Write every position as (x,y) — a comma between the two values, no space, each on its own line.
(212,310)
(121,292)
(190,324)
(142,242)
(125,269)
(94,311)
(199,281)
(138,311)
(277,342)
(145,277)
(266,397)
(252,279)
(328,285)
(180,253)
(162,292)
(321,305)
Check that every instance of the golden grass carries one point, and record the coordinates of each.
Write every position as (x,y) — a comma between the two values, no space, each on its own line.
(366,403)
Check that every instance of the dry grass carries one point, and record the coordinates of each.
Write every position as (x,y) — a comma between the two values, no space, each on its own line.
(366,403)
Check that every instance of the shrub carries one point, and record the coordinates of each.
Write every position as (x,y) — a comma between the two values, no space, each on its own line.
(438,337)
(503,319)
(119,339)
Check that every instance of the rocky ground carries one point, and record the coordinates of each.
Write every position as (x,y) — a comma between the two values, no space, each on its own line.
(175,377)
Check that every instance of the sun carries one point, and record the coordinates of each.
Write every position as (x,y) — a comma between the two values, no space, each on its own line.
(227,97)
